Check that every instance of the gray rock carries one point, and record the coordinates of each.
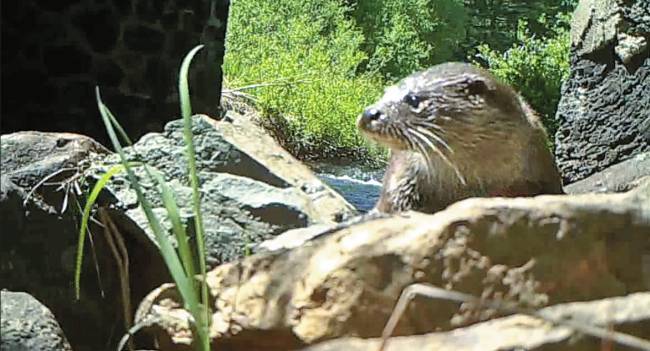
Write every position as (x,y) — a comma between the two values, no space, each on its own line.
(40,231)
(630,313)
(615,179)
(270,204)
(594,25)
(27,325)
(249,195)
(28,157)
(603,116)
(630,46)
(251,190)
(293,238)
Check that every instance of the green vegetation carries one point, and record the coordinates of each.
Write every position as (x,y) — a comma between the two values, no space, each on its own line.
(311,66)
(180,260)
(402,36)
(534,66)
(496,22)
(308,53)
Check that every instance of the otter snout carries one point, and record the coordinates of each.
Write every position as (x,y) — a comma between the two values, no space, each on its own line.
(369,115)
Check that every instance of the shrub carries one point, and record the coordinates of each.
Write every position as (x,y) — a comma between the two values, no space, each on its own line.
(308,52)
(403,36)
(495,23)
(536,67)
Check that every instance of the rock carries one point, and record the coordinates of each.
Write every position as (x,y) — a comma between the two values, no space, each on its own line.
(251,188)
(534,251)
(27,325)
(294,238)
(107,72)
(40,231)
(253,140)
(594,25)
(615,179)
(251,191)
(630,314)
(630,46)
(602,116)
(28,157)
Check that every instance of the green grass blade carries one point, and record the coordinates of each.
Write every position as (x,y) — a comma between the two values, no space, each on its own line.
(177,226)
(183,86)
(167,251)
(186,110)
(119,128)
(90,202)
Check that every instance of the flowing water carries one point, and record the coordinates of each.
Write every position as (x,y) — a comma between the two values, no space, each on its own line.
(358,185)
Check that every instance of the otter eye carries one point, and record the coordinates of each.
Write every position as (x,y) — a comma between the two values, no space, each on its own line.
(412,100)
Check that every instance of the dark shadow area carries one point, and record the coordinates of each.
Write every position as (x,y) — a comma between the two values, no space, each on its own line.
(55,53)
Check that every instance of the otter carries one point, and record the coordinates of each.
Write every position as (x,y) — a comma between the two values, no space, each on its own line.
(454,131)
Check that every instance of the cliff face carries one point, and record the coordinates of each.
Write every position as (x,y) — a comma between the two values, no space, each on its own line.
(604,114)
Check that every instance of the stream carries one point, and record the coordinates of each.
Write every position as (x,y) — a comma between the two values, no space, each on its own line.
(358,185)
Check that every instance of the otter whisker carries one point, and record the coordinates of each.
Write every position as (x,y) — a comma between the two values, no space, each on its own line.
(409,140)
(431,125)
(403,135)
(440,153)
(422,144)
(436,138)
(427,142)
(417,145)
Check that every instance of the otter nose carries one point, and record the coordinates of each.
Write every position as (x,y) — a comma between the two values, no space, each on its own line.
(371,114)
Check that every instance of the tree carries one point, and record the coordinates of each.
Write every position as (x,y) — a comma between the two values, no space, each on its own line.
(402,36)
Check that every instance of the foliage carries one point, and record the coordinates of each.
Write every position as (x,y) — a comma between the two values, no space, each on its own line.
(496,22)
(83,228)
(180,261)
(536,67)
(402,36)
(311,66)
(308,53)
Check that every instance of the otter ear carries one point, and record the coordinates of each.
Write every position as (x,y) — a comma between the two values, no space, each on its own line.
(477,85)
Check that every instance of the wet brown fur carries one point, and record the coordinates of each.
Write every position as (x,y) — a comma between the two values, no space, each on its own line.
(489,141)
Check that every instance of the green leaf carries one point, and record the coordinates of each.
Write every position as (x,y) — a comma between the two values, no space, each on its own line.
(183,87)
(183,282)
(202,320)
(174,216)
(90,202)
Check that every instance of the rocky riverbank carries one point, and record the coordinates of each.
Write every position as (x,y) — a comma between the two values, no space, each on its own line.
(291,268)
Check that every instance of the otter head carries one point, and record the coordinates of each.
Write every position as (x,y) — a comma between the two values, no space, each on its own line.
(448,107)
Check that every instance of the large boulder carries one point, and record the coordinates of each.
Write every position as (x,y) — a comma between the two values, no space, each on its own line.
(533,251)
(603,114)
(38,207)
(27,325)
(630,314)
(251,190)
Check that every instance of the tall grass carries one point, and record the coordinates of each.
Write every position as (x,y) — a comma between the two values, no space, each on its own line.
(180,260)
